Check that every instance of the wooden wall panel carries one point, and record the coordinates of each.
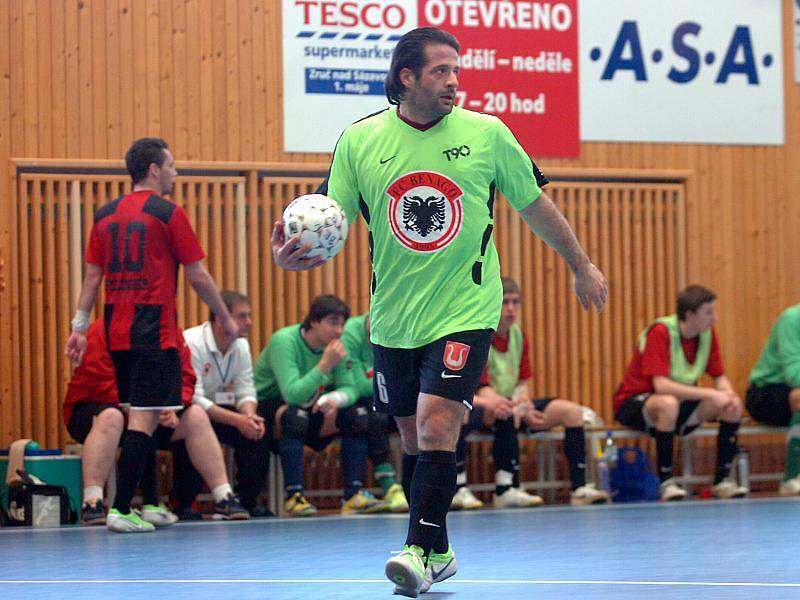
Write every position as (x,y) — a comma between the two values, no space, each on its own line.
(571,347)
(82,79)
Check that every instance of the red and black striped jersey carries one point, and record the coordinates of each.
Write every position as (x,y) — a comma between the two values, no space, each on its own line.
(140,240)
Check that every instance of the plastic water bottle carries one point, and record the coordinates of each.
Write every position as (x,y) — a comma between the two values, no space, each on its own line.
(743,468)
(603,470)
(603,474)
(610,451)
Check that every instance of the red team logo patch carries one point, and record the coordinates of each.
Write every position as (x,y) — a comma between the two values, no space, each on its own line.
(425,210)
(455,355)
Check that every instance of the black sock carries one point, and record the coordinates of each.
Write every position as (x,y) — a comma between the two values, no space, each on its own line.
(409,464)
(432,492)
(147,484)
(575,451)
(664,441)
(354,461)
(726,449)
(505,449)
(133,455)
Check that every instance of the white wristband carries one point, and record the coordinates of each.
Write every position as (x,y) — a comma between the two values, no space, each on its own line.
(80,322)
(339,399)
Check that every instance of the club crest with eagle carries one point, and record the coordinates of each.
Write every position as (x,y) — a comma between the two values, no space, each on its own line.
(425,211)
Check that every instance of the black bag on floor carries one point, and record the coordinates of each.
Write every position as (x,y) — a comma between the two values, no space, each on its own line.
(34,503)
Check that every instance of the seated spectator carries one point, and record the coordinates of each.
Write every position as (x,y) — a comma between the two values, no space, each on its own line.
(773,396)
(659,394)
(359,351)
(503,403)
(225,390)
(306,390)
(94,417)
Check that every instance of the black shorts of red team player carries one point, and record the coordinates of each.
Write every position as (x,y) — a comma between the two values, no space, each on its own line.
(82,420)
(148,379)
(449,367)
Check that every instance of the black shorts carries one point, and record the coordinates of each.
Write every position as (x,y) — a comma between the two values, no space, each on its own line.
(148,379)
(769,404)
(449,367)
(631,414)
(82,419)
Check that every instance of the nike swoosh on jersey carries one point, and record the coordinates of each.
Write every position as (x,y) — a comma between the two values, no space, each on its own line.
(449,376)
(424,522)
(385,160)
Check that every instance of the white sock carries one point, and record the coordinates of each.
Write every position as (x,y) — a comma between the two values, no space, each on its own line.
(93,492)
(221,492)
(461,479)
(503,478)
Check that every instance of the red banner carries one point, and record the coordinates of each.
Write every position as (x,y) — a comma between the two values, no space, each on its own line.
(519,61)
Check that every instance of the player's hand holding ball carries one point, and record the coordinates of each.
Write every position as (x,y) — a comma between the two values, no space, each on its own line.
(313,230)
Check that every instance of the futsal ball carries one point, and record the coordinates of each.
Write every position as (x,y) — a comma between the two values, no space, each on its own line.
(320,223)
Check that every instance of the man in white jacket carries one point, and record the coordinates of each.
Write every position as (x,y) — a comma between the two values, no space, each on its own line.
(225,390)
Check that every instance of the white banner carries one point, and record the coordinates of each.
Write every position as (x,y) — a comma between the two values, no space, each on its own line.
(796,16)
(335,57)
(692,71)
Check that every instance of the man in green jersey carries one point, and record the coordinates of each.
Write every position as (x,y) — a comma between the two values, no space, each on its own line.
(423,174)
(359,350)
(306,393)
(773,396)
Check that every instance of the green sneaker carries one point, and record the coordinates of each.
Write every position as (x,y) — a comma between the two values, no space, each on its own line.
(129,523)
(440,567)
(407,571)
(159,515)
(396,499)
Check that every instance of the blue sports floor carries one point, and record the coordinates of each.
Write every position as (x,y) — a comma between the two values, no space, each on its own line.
(705,549)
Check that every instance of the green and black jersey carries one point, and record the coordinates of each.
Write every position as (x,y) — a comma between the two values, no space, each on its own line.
(427,197)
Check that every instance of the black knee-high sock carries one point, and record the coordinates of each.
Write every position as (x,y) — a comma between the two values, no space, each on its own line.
(147,485)
(409,464)
(505,449)
(664,441)
(726,449)
(575,451)
(432,491)
(133,456)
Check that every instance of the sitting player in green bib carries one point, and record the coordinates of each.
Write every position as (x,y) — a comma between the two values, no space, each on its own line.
(502,404)
(660,395)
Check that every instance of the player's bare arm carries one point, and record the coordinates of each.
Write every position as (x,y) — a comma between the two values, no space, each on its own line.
(202,282)
(546,221)
(76,344)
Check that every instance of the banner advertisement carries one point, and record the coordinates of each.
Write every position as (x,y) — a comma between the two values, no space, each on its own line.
(336,55)
(518,59)
(796,17)
(681,71)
